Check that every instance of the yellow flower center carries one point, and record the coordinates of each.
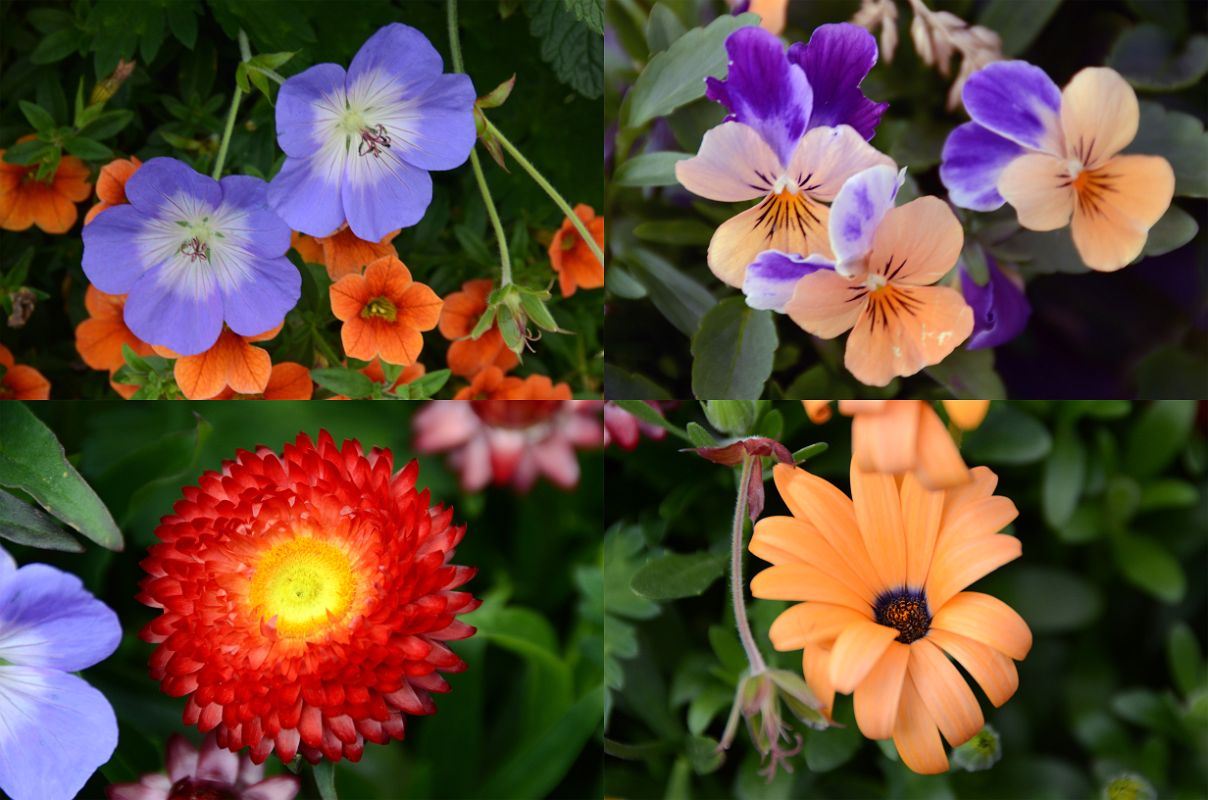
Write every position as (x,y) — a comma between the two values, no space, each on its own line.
(305,584)
(380,307)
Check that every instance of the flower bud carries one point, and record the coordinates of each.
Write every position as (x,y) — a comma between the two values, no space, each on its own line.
(733,417)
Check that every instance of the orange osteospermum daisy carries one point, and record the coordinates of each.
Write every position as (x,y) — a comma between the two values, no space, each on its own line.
(492,384)
(287,381)
(342,253)
(19,382)
(307,600)
(460,314)
(575,263)
(882,578)
(111,184)
(230,362)
(26,201)
(384,311)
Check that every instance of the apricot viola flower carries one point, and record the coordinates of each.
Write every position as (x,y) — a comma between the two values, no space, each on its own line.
(19,382)
(192,253)
(383,312)
(461,312)
(317,603)
(510,441)
(1052,154)
(26,201)
(342,253)
(210,772)
(231,363)
(878,580)
(359,143)
(772,13)
(797,130)
(111,185)
(575,263)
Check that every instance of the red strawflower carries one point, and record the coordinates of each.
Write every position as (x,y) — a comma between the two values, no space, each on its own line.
(307,600)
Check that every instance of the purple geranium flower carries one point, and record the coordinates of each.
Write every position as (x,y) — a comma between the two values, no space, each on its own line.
(359,144)
(1000,308)
(192,252)
(55,729)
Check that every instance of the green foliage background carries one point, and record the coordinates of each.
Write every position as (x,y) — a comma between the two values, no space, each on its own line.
(522,721)
(176,101)
(1114,523)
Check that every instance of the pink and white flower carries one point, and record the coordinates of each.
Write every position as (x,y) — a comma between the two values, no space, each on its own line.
(211,772)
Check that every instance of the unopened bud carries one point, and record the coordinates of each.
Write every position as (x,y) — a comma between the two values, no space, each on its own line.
(108,87)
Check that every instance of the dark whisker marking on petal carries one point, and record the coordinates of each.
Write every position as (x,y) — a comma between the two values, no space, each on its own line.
(893,274)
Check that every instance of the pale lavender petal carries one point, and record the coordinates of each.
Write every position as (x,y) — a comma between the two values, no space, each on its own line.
(1019,101)
(111,261)
(184,319)
(836,60)
(299,102)
(150,787)
(261,304)
(857,211)
(1000,308)
(265,232)
(181,759)
(973,158)
(8,565)
(278,787)
(157,186)
(48,619)
(772,276)
(734,164)
(382,194)
(401,52)
(306,193)
(216,763)
(763,90)
(442,132)
(55,730)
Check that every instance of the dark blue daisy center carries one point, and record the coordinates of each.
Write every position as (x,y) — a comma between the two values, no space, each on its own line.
(906,611)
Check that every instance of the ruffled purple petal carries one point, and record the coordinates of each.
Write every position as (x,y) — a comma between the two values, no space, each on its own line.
(857,211)
(772,276)
(763,90)
(441,133)
(260,304)
(972,160)
(306,193)
(48,619)
(184,318)
(1019,101)
(158,186)
(266,233)
(836,59)
(55,731)
(112,261)
(400,52)
(382,194)
(299,100)
(1000,308)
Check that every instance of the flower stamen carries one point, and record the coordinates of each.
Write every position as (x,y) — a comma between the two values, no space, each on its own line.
(905,610)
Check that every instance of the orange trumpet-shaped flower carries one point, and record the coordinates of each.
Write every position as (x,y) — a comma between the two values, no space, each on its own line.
(342,252)
(492,384)
(383,312)
(231,362)
(287,381)
(901,436)
(19,382)
(460,314)
(111,184)
(575,263)
(100,338)
(26,201)
(879,581)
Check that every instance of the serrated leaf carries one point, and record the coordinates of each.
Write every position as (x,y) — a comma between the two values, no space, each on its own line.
(590,12)
(732,352)
(676,575)
(571,47)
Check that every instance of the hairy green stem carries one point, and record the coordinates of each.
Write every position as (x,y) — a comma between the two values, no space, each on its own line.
(737,589)
(245,52)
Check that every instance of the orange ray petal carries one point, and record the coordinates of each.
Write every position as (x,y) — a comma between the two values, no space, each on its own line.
(985,619)
(1099,115)
(815,664)
(917,243)
(994,672)
(857,650)
(915,734)
(958,565)
(922,511)
(885,440)
(806,582)
(912,327)
(825,303)
(943,689)
(977,519)
(982,483)
(1039,188)
(940,465)
(876,697)
(811,623)
(879,515)
(790,540)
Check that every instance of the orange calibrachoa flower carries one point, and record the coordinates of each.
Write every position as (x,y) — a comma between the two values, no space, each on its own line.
(307,600)
(231,362)
(111,184)
(460,314)
(287,381)
(342,252)
(492,384)
(383,312)
(99,339)
(19,382)
(25,201)
(882,576)
(572,259)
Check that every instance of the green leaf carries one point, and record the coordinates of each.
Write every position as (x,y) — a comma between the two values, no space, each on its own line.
(272,60)
(1063,477)
(829,749)
(662,28)
(732,352)
(1180,139)
(1149,565)
(57,46)
(38,117)
(967,374)
(675,575)
(1175,229)
(619,282)
(676,76)
(1158,436)
(426,386)
(1084,525)
(31,459)
(22,523)
(1008,436)
(1148,57)
(1167,493)
(1183,654)
(647,413)
(620,383)
(325,780)
(1018,22)
(1050,599)
(675,232)
(700,437)
(590,12)
(679,298)
(347,382)
(28,152)
(87,149)
(107,124)
(649,169)
(182,21)
(621,547)
(703,754)
(571,47)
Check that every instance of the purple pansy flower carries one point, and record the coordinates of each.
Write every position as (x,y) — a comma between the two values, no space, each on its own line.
(1000,308)
(359,144)
(55,729)
(798,128)
(192,253)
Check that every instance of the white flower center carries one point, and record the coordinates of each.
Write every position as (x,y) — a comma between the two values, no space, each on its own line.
(785,184)
(875,281)
(1075,167)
